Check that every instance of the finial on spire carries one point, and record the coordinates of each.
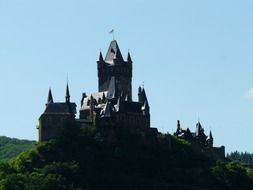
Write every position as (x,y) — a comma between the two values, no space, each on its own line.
(67,97)
(50,97)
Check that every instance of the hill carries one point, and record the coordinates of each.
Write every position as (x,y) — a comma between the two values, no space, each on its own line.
(89,158)
(11,147)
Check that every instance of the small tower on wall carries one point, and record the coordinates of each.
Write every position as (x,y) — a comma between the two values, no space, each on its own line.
(113,65)
(56,116)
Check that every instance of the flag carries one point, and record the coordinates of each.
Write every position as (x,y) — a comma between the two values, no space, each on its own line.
(111,31)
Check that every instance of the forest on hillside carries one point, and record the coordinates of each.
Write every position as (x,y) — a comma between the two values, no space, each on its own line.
(243,157)
(89,158)
(12,147)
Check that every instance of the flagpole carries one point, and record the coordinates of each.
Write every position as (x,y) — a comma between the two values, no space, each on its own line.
(112,32)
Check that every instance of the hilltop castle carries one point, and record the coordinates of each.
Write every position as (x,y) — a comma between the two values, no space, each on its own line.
(111,106)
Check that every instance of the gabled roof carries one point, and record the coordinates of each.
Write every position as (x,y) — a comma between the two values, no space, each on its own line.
(113,53)
(60,108)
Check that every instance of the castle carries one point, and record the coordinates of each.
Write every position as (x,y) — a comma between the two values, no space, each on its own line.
(111,106)
(200,140)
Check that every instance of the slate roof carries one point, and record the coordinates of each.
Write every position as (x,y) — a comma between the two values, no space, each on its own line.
(96,96)
(132,107)
(113,53)
(60,108)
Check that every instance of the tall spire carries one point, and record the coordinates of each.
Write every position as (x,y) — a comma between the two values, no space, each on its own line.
(50,97)
(67,97)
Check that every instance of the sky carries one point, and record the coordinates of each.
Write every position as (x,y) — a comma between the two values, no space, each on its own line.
(194,57)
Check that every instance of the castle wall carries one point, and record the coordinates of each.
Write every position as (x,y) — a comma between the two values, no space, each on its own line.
(52,126)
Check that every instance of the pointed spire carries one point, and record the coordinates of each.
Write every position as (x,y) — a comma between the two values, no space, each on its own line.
(101,59)
(50,97)
(178,125)
(210,135)
(67,97)
(129,59)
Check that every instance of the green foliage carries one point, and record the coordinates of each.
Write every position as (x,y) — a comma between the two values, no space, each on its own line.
(232,175)
(243,157)
(91,158)
(11,147)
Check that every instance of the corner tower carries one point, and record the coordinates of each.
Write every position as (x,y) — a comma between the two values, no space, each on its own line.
(113,68)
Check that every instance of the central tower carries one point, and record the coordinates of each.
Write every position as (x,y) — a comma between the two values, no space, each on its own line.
(115,74)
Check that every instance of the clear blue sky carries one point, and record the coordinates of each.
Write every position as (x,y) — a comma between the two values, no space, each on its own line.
(195,58)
